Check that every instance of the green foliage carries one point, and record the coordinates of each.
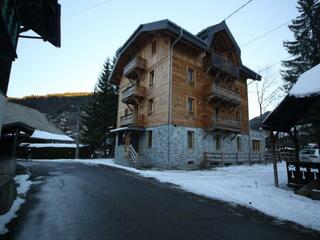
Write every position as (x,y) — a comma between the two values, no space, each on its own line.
(305,48)
(100,114)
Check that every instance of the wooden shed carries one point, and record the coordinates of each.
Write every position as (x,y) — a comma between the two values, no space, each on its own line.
(300,107)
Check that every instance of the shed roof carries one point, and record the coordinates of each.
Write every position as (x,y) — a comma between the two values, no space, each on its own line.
(300,106)
(16,113)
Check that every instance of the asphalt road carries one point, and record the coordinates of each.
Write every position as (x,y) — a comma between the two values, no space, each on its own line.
(75,201)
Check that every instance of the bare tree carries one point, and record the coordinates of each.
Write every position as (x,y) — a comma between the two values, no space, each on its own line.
(267,91)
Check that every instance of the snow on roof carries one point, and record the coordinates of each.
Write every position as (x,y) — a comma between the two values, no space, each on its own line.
(50,136)
(51,145)
(308,83)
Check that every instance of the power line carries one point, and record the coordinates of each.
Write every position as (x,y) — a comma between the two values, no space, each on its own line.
(238,9)
(264,34)
(89,8)
(270,66)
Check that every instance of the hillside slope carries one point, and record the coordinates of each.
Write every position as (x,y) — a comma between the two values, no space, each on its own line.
(60,109)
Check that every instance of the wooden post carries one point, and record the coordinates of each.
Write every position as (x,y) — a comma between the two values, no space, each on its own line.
(296,143)
(237,158)
(222,158)
(274,159)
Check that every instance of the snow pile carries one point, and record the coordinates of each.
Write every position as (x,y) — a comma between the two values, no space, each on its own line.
(252,187)
(22,189)
(308,83)
(50,136)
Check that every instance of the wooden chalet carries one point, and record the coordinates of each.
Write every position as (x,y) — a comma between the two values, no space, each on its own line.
(180,95)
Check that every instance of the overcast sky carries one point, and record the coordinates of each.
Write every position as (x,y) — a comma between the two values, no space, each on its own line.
(92,30)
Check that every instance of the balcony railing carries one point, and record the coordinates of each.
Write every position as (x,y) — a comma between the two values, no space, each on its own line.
(225,94)
(132,119)
(129,94)
(226,122)
(10,19)
(224,65)
(136,66)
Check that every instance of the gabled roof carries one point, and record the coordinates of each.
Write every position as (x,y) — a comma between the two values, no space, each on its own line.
(300,106)
(17,114)
(208,34)
(198,41)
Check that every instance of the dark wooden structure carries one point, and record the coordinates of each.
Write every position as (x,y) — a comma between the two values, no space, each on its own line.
(16,17)
(293,111)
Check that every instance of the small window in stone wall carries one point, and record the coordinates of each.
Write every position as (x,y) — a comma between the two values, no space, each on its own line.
(190,139)
(256,145)
(149,138)
(239,143)
(218,143)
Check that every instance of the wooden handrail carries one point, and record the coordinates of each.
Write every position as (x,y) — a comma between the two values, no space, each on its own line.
(225,65)
(225,92)
(133,155)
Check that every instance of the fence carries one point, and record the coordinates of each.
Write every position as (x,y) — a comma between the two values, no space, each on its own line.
(221,158)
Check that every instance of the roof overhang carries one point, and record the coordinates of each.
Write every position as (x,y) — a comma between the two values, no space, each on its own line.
(141,33)
(43,17)
(127,129)
(293,111)
(13,127)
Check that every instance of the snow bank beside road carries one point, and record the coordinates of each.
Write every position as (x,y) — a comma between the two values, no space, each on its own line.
(252,187)
(22,189)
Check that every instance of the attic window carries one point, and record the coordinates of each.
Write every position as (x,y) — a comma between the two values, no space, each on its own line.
(154,47)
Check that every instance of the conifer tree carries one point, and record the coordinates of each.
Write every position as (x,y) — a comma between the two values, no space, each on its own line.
(305,48)
(100,114)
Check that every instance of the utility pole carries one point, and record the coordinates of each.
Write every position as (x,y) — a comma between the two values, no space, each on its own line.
(78,133)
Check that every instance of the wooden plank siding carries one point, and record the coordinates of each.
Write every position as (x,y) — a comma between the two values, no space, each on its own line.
(159,63)
(184,58)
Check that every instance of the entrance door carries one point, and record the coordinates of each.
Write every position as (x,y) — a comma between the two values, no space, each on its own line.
(135,141)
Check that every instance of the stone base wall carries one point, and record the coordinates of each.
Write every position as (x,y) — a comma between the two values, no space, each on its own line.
(182,157)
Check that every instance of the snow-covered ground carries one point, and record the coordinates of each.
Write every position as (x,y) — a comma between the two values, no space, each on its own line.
(24,184)
(252,187)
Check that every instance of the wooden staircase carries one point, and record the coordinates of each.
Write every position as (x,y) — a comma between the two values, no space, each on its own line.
(135,160)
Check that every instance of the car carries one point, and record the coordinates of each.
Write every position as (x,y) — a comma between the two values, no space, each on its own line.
(309,155)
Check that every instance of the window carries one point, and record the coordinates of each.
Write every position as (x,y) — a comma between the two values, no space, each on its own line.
(218,143)
(239,143)
(217,111)
(190,139)
(150,107)
(238,115)
(190,76)
(149,138)
(256,145)
(190,105)
(151,79)
(153,47)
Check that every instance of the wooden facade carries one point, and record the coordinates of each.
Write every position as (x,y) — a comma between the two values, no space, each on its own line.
(219,93)
(158,64)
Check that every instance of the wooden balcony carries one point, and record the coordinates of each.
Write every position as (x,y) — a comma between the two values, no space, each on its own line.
(10,23)
(133,94)
(225,123)
(132,119)
(134,68)
(224,94)
(224,65)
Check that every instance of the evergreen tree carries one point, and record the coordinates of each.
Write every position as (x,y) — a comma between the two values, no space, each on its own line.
(100,114)
(306,47)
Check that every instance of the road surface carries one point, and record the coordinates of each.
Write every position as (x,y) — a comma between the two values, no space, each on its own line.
(76,201)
